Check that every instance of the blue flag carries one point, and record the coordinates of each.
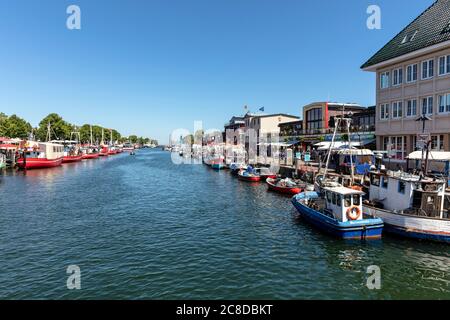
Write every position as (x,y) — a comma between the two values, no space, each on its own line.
(261,109)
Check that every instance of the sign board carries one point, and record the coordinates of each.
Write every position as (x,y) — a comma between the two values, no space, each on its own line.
(422,140)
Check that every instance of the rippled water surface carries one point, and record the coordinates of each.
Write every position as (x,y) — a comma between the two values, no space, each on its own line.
(143,228)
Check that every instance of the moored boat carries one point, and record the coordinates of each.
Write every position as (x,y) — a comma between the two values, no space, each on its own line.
(249,175)
(338,211)
(38,155)
(285,186)
(411,206)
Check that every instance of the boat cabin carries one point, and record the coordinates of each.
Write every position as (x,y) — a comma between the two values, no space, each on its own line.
(44,150)
(343,204)
(409,194)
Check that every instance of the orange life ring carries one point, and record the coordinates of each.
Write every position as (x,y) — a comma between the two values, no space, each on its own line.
(353,213)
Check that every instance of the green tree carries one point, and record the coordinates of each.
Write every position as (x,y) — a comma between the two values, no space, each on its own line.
(133,139)
(14,127)
(60,129)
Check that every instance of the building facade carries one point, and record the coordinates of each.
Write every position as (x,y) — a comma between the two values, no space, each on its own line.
(319,119)
(263,129)
(413,79)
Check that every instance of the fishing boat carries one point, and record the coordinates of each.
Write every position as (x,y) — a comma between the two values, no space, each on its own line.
(338,211)
(265,173)
(285,186)
(413,206)
(104,149)
(72,152)
(37,155)
(90,151)
(249,175)
(236,167)
(128,147)
(218,163)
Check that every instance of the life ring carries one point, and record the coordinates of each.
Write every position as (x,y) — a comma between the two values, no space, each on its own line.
(353,213)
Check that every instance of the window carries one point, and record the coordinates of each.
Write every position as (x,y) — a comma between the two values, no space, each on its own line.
(396,147)
(397,109)
(384,111)
(401,187)
(444,65)
(437,142)
(397,77)
(375,180)
(347,201)
(334,198)
(338,200)
(329,197)
(385,182)
(428,69)
(384,80)
(411,108)
(427,105)
(356,200)
(411,73)
(444,103)
(409,37)
(314,119)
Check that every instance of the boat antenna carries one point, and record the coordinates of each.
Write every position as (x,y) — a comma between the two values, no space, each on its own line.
(90,126)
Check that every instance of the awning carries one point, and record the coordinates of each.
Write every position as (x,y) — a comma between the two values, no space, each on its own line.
(325,145)
(355,152)
(432,155)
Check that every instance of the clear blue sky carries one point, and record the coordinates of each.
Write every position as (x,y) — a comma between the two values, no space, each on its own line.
(148,67)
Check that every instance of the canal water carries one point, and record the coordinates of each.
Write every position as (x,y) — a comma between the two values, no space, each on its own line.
(141,227)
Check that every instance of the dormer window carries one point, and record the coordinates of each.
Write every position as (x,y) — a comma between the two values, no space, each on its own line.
(446,29)
(409,37)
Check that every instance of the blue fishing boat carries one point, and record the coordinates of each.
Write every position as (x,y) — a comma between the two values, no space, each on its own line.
(338,211)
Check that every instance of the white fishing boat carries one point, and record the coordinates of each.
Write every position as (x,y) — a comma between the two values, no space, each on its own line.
(410,205)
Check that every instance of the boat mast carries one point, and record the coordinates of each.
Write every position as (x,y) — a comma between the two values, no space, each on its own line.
(48,133)
(331,147)
(348,122)
(92,143)
(111,137)
(103,137)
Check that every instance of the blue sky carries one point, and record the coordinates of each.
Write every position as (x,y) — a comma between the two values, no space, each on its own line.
(148,67)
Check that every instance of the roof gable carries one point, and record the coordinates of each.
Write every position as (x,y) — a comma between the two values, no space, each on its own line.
(430,28)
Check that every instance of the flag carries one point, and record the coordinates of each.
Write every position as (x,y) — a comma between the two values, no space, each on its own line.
(261,109)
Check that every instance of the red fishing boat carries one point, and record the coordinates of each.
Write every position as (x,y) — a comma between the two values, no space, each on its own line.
(87,156)
(38,155)
(104,151)
(245,175)
(286,186)
(90,151)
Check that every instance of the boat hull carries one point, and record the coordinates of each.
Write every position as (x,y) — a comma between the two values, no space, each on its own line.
(71,159)
(91,156)
(37,163)
(217,166)
(408,226)
(284,190)
(249,178)
(366,229)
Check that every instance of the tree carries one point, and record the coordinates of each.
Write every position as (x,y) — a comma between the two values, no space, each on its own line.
(14,127)
(133,139)
(60,129)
